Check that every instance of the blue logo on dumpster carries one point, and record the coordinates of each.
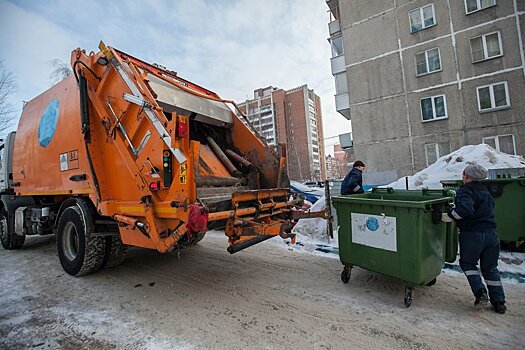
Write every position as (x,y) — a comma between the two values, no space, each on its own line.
(48,123)
(372,224)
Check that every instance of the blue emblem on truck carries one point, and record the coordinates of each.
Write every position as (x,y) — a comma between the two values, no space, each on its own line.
(372,224)
(48,123)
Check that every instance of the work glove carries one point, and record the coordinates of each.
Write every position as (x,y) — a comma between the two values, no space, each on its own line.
(445,217)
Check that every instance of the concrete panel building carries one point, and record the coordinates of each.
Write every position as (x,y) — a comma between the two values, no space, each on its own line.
(421,78)
(292,118)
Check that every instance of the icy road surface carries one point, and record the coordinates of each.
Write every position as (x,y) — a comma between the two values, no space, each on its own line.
(265,297)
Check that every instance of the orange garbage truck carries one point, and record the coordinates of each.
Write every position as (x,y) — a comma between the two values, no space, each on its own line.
(126,153)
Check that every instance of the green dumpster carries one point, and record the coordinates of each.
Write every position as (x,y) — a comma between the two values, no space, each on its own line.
(509,207)
(398,233)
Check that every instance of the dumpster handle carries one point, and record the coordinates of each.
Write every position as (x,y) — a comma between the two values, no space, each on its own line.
(435,210)
(388,190)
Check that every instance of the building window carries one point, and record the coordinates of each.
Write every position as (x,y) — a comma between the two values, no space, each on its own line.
(502,143)
(493,96)
(431,152)
(422,18)
(428,62)
(472,6)
(433,108)
(341,85)
(435,150)
(486,46)
(337,46)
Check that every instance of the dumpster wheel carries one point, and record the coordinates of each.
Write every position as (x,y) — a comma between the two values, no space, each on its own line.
(345,274)
(431,283)
(408,296)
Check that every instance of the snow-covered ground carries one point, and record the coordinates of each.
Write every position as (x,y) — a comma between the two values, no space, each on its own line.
(312,233)
(264,297)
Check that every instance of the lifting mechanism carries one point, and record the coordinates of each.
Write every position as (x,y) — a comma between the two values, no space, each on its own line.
(209,173)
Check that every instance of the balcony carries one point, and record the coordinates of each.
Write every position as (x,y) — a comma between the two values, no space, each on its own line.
(334,27)
(338,64)
(342,104)
(333,5)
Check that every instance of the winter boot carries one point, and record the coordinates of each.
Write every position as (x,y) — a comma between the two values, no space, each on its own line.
(499,307)
(481,298)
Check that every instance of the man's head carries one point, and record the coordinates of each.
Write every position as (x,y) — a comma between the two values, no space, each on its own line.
(359,165)
(474,172)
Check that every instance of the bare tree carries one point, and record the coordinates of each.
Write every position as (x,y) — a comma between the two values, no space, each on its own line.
(7,87)
(61,70)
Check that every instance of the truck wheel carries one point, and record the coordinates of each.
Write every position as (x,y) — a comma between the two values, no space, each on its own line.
(116,252)
(10,240)
(78,254)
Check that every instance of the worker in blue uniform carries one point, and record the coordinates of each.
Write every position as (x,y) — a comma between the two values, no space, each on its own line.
(353,181)
(478,240)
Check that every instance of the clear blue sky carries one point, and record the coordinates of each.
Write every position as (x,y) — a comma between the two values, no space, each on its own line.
(230,47)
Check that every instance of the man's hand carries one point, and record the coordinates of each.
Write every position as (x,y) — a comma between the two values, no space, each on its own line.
(445,217)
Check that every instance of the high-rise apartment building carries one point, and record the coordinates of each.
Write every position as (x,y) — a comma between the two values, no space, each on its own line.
(293,118)
(421,78)
(332,168)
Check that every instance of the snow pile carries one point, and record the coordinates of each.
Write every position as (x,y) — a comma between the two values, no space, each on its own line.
(450,166)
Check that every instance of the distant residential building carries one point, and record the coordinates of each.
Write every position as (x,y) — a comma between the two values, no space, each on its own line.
(344,159)
(293,118)
(333,170)
(421,78)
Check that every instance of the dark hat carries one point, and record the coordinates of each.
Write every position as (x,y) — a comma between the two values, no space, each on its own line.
(358,163)
(475,172)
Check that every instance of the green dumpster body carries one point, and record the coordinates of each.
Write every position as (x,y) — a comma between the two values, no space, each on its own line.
(398,233)
(509,205)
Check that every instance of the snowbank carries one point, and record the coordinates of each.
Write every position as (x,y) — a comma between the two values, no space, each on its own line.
(450,166)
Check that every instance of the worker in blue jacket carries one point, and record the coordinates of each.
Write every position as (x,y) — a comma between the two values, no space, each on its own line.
(478,240)
(353,181)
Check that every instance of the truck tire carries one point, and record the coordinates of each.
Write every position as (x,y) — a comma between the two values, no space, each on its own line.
(79,253)
(10,240)
(116,252)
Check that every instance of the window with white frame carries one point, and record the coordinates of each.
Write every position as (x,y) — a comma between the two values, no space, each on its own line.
(493,96)
(472,6)
(422,18)
(341,85)
(502,143)
(433,108)
(486,46)
(337,46)
(435,150)
(428,62)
